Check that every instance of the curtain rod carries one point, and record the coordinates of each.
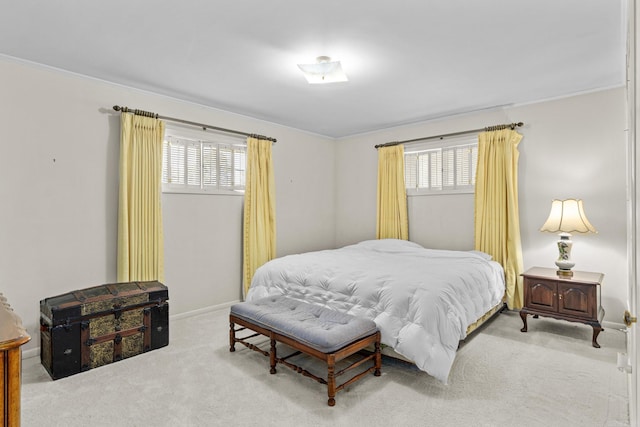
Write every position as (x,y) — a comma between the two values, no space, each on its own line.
(186,122)
(485,129)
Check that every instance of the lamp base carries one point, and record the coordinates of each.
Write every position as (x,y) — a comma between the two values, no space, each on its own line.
(564,273)
(564,262)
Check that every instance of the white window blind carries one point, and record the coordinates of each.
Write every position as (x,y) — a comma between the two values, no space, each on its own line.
(441,167)
(201,166)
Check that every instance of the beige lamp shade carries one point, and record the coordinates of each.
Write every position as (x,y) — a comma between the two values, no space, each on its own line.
(567,216)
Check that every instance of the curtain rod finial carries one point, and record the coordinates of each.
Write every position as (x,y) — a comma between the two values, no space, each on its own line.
(121,109)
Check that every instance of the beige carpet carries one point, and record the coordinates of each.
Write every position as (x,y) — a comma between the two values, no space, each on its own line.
(549,376)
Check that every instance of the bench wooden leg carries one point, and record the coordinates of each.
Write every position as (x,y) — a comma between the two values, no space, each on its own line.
(378,357)
(329,358)
(232,337)
(273,355)
(331,379)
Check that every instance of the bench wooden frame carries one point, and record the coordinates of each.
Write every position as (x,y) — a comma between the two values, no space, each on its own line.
(329,358)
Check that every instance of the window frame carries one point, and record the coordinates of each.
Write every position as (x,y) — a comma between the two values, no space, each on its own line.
(425,146)
(203,138)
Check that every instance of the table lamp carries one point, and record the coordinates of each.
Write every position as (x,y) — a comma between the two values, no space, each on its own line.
(566,217)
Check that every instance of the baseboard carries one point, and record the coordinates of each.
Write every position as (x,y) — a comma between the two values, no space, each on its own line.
(614,325)
(35,352)
(32,352)
(202,310)
(605,323)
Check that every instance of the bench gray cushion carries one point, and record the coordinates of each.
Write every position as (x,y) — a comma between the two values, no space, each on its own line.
(320,328)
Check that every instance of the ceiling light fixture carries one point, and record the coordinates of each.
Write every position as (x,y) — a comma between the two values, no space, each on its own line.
(323,71)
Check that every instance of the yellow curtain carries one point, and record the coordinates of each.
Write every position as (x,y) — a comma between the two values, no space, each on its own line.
(392,218)
(259,210)
(497,219)
(140,238)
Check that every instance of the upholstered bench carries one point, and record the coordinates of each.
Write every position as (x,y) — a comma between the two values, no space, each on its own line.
(320,332)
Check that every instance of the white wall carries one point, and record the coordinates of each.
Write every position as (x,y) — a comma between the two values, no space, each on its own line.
(59,187)
(572,147)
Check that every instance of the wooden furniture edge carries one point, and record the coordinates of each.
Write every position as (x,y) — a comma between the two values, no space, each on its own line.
(12,337)
(579,278)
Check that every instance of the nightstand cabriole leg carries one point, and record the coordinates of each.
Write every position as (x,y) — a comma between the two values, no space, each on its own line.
(523,315)
(596,332)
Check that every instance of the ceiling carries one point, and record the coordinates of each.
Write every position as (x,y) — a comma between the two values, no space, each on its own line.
(406,61)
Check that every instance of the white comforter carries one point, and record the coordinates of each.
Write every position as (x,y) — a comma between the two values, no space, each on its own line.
(421,299)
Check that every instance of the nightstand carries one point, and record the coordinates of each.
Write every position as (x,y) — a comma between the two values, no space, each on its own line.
(576,298)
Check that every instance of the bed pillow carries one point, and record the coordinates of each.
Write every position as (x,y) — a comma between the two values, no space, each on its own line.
(387,244)
(482,255)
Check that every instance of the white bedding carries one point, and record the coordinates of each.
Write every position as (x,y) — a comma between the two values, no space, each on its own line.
(421,299)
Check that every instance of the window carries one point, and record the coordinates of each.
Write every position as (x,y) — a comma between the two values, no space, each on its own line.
(441,168)
(203,166)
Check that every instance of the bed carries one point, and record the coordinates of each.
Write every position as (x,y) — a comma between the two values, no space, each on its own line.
(424,301)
